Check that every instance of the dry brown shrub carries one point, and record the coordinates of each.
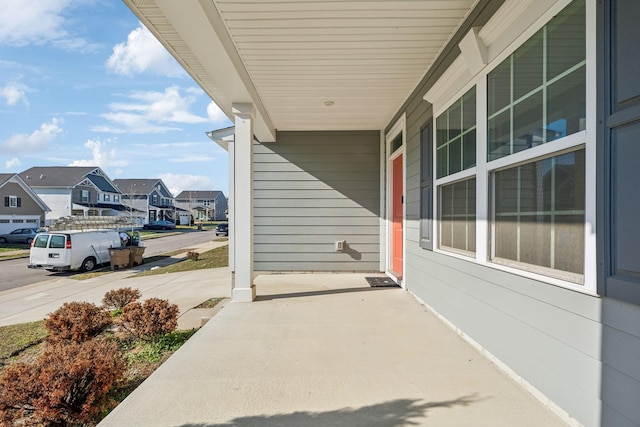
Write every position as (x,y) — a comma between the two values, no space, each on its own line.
(76,321)
(117,299)
(64,386)
(152,318)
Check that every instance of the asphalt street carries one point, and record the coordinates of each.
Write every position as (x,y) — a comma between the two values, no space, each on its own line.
(14,273)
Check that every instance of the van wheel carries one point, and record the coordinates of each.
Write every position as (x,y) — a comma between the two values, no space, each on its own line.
(88,264)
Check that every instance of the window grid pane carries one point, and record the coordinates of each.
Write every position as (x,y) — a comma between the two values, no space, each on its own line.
(540,88)
(454,129)
(539,213)
(457,216)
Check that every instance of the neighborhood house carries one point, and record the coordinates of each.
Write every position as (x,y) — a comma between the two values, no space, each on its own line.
(200,206)
(147,200)
(74,190)
(21,207)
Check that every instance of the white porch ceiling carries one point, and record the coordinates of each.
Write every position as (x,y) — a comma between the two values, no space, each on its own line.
(292,57)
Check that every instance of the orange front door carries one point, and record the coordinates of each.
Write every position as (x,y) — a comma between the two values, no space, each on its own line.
(396,216)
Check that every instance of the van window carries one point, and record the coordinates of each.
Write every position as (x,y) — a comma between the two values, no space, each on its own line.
(41,241)
(57,242)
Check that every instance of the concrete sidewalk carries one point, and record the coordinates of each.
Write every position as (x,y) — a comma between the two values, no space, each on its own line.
(328,350)
(187,290)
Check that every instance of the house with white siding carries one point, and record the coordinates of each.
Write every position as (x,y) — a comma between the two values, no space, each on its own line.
(74,191)
(481,153)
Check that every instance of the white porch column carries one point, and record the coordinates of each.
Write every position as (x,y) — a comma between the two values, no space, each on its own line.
(243,288)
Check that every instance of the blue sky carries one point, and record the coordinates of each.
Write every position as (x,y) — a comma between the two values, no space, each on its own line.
(83,82)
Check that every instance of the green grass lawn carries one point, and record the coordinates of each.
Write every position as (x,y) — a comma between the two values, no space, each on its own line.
(215,258)
(7,247)
(14,339)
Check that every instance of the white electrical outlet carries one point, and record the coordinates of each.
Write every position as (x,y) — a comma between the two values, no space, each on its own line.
(340,245)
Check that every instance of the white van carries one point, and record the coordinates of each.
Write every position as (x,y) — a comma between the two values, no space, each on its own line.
(72,250)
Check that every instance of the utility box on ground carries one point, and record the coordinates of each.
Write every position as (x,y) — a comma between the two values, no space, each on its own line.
(135,255)
(119,258)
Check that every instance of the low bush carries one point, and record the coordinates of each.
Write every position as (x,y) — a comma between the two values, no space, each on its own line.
(64,386)
(117,299)
(76,321)
(157,349)
(152,318)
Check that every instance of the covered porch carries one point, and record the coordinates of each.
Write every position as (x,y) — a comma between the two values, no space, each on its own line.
(329,349)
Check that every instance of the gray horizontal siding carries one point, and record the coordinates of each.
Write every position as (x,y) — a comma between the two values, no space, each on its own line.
(581,351)
(311,189)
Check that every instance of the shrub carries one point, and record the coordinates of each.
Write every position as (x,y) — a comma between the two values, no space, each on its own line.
(155,350)
(193,255)
(64,386)
(150,319)
(117,299)
(76,321)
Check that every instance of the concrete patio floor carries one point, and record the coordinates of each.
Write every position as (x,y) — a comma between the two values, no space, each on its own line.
(328,350)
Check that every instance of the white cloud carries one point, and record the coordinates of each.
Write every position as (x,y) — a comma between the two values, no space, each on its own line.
(38,140)
(101,156)
(193,158)
(14,92)
(215,114)
(38,22)
(12,163)
(142,52)
(152,112)
(178,183)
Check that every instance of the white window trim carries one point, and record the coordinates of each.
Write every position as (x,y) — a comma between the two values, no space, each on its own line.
(458,176)
(482,170)
(13,201)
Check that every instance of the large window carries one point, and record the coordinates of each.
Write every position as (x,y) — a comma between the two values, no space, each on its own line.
(456,153)
(521,185)
(537,94)
(539,216)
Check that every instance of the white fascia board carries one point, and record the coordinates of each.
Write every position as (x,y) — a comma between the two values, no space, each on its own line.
(221,71)
(222,137)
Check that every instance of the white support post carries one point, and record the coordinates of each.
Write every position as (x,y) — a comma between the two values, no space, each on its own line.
(243,288)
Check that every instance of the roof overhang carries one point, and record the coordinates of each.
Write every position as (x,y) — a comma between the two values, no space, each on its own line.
(222,137)
(306,65)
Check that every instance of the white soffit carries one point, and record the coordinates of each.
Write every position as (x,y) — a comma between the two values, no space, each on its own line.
(306,64)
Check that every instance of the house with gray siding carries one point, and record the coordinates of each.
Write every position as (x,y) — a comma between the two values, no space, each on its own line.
(202,205)
(74,191)
(20,206)
(481,153)
(147,199)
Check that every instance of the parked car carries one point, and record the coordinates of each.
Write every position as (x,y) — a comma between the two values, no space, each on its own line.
(222,229)
(21,235)
(159,225)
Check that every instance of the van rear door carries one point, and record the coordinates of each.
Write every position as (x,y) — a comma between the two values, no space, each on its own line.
(38,253)
(49,251)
